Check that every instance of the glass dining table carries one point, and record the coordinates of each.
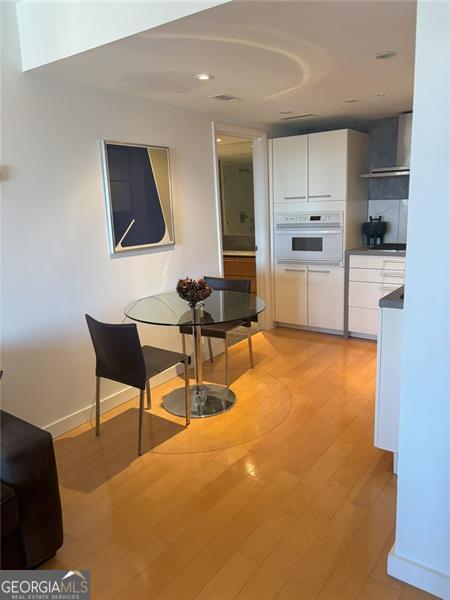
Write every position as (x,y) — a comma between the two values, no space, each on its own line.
(207,399)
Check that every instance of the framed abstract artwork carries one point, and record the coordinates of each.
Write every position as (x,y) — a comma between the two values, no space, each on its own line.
(138,196)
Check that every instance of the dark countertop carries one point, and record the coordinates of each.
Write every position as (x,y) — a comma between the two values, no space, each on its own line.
(394,299)
(240,253)
(365,250)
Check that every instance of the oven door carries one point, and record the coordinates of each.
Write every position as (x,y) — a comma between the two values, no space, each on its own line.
(308,245)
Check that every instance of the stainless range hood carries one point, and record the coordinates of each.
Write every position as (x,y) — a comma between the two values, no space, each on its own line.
(403,151)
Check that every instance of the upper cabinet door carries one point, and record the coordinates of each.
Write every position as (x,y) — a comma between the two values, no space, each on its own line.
(290,169)
(328,166)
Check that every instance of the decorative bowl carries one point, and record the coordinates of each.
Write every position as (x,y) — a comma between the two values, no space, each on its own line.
(193,291)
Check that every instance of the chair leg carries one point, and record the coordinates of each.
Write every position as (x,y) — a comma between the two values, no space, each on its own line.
(183,342)
(141,413)
(97,407)
(226,362)
(211,357)
(250,349)
(187,398)
(149,397)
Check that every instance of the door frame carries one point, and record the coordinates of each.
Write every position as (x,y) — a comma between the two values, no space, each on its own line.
(261,208)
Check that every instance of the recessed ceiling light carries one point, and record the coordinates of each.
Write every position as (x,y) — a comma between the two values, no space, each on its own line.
(218,140)
(204,76)
(378,95)
(351,100)
(384,54)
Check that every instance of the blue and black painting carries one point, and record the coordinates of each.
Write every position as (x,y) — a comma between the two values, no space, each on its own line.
(137,216)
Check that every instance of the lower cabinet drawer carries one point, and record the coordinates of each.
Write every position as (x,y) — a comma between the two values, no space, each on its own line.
(396,263)
(362,294)
(363,320)
(377,276)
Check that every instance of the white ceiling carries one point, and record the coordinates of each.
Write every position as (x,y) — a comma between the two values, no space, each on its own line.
(304,57)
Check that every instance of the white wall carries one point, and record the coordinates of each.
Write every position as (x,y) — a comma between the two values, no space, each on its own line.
(56,264)
(421,554)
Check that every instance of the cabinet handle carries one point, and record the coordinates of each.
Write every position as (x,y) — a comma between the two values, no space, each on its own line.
(294,197)
(392,274)
(317,271)
(386,261)
(320,195)
(296,270)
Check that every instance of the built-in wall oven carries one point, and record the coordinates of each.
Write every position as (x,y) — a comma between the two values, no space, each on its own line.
(309,237)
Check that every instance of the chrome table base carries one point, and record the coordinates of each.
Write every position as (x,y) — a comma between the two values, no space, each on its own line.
(207,400)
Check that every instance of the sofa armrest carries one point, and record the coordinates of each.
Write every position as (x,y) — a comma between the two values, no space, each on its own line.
(9,510)
(28,466)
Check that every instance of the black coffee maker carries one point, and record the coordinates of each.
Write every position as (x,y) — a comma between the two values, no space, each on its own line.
(374,231)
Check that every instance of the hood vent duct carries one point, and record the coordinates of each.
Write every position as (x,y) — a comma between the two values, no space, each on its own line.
(403,151)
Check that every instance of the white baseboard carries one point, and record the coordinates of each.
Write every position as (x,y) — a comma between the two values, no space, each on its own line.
(87,413)
(83,415)
(418,575)
(363,336)
(312,329)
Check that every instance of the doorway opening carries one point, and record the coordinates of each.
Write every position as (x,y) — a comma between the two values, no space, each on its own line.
(259,221)
(237,207)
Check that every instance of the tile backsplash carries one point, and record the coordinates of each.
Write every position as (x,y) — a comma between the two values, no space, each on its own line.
(395,213)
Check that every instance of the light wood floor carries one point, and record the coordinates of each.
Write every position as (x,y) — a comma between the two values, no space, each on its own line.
(282,497)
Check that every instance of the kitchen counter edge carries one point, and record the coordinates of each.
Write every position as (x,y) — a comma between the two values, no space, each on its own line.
(365,251)
(239,253)
(394,299)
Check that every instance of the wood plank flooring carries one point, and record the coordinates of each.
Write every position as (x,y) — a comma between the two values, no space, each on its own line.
(284,496)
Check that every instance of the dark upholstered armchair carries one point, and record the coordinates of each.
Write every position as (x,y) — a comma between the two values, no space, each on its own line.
(31,519)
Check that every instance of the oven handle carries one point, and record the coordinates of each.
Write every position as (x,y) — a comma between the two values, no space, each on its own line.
(337,230)
(286,262)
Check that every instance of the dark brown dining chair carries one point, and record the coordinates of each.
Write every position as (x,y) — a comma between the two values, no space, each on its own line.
(120,357)
(221,330)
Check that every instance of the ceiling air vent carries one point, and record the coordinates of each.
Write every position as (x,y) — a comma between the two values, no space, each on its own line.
(296,117)
(225,98)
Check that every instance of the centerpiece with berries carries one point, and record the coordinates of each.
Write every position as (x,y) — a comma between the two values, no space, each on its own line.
(193,291)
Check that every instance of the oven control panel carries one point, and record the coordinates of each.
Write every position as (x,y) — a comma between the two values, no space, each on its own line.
(329,218)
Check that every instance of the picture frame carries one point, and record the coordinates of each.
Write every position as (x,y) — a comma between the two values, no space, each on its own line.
(138,195)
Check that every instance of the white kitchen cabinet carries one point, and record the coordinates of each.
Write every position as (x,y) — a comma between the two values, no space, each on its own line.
(318,167)
(387,403)
(291,294)
(363,294)
(388,276)
(370,278)
(328,166)
(380,263)
(363,322)
(290,169)
(326,297)
(310,296)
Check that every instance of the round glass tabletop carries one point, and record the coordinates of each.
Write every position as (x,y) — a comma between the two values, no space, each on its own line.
(170,309)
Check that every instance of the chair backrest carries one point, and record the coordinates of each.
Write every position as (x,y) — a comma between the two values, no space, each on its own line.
(118,352)
(229,285)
